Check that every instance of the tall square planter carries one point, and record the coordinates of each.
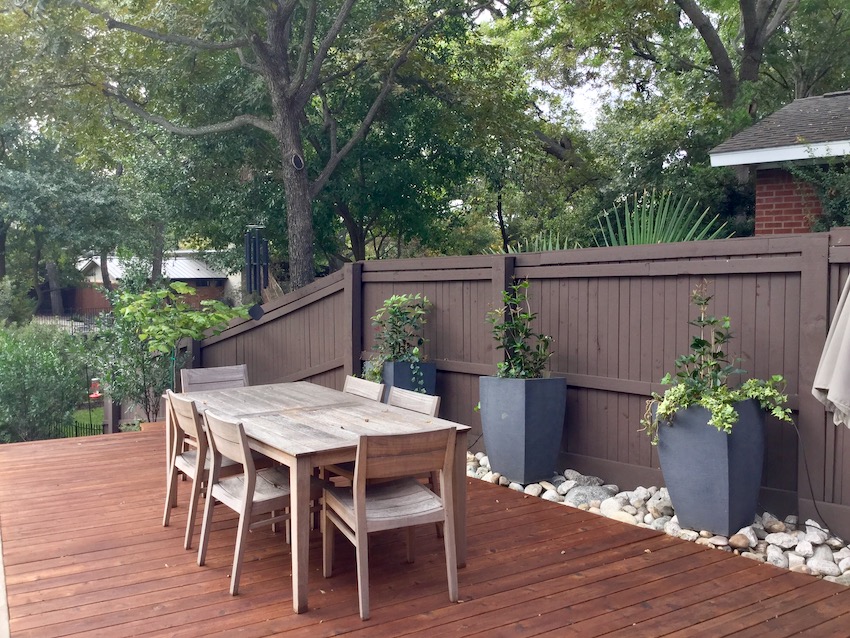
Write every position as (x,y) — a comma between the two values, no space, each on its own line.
(523,422)
(713,477)
(403,375)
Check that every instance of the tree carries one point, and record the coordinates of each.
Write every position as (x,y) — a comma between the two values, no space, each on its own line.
(294,51)
(60,210)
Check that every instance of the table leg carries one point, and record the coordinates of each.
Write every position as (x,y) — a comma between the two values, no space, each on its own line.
(300,473)
(460,497)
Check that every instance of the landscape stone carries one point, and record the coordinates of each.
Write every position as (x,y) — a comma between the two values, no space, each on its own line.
(546,485)
(689,535)
(805,549)
(775,556)
(565,487)
(823,567)
(718,540)
(624,517)
(659,504)
(533,489)
(586,494)
(552,495)
(782,539)
(516,487)
(794,559)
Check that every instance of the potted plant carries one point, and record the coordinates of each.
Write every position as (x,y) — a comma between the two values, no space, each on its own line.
(398,359)
(522,413)
(712,469)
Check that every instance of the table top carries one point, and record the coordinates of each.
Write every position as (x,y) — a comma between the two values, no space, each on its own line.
(303,418)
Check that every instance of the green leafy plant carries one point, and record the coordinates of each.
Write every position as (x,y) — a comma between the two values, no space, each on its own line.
(538,243)
(702,378)
(137,344)
(526,352)
(398,324)
(42,379)
(657,219)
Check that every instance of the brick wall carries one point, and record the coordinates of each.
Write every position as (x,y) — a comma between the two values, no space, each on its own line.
(783,204)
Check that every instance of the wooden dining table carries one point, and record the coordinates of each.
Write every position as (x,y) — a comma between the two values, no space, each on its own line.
(306,426)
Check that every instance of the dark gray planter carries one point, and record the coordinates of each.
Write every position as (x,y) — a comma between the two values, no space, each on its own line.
(713,477)
(523,422)
(401,375)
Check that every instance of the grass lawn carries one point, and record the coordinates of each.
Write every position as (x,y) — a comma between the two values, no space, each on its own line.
(82,416)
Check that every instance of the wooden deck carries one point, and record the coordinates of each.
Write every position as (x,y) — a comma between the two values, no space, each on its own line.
(85,554)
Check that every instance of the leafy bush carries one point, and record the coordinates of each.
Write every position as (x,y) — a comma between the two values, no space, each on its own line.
(15,305)
(526,352)
(42,378)
(398,332)
(136,345)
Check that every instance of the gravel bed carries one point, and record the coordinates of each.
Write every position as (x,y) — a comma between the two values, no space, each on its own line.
(808,548)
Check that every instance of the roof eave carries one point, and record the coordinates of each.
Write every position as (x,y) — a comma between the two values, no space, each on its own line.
(793,153)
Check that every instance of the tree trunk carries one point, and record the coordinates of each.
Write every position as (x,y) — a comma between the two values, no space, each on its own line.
(299,207)
(158,247)
(4,234)
(53,287)
(356,233)
(104,270)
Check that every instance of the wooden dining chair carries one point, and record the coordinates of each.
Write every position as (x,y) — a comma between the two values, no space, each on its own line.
(393,504)
(217,378)
(363,388)
(260,497)
(188,454)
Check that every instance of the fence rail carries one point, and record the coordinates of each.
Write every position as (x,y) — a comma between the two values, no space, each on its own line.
(619,320)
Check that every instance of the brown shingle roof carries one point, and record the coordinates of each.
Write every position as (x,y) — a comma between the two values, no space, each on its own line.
(811,120)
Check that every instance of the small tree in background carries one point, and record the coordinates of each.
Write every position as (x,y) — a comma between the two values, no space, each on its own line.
(137,345)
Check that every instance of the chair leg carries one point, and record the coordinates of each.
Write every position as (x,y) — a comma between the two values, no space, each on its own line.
(362,549)
(170,494)
(411,548)
(328,529)
(193,511)
(241,538)
(451,556)
(434,485)
(205,530)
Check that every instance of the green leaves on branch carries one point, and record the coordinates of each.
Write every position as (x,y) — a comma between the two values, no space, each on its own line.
(163,317)
(702,378)
(658,219)
(398,324)
(526,352)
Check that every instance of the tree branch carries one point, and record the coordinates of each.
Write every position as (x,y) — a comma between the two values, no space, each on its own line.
(191,131)
(169,38)
(783,12)
(250,66)
(304,89)
(387,85)
(719,54)
(306,43)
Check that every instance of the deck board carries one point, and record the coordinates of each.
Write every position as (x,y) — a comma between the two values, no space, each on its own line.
(85,554)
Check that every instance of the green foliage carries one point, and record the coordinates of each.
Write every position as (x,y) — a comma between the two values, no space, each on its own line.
(831,181)
(42,379)
(136,344)
(538,243)
(526,352)
(15,306)
(398,332)
(659,219)
(702,378)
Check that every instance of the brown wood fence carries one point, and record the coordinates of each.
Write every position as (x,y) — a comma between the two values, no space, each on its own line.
(619,319)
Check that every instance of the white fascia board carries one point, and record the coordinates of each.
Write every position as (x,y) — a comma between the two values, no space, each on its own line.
(781,154)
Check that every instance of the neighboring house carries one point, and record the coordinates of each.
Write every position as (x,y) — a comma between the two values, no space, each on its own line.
(801,132)
(181,265)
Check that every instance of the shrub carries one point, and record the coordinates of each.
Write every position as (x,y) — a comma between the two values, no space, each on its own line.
(42,378)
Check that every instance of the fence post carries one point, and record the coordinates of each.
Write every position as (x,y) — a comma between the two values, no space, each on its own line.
(111,415)
(814,308)
(353,293)
(503,277)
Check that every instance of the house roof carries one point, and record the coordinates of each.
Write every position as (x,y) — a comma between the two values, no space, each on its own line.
(805,129)
(175,266)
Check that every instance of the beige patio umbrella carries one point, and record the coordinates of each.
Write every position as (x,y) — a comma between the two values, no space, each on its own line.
(832,379)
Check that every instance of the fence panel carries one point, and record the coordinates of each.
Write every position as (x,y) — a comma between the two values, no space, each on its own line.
(619,317)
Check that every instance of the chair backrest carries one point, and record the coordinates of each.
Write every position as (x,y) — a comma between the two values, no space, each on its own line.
(363,388)
(185,415)
(227,438)
(416,401)
(219,378)
(396,455)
